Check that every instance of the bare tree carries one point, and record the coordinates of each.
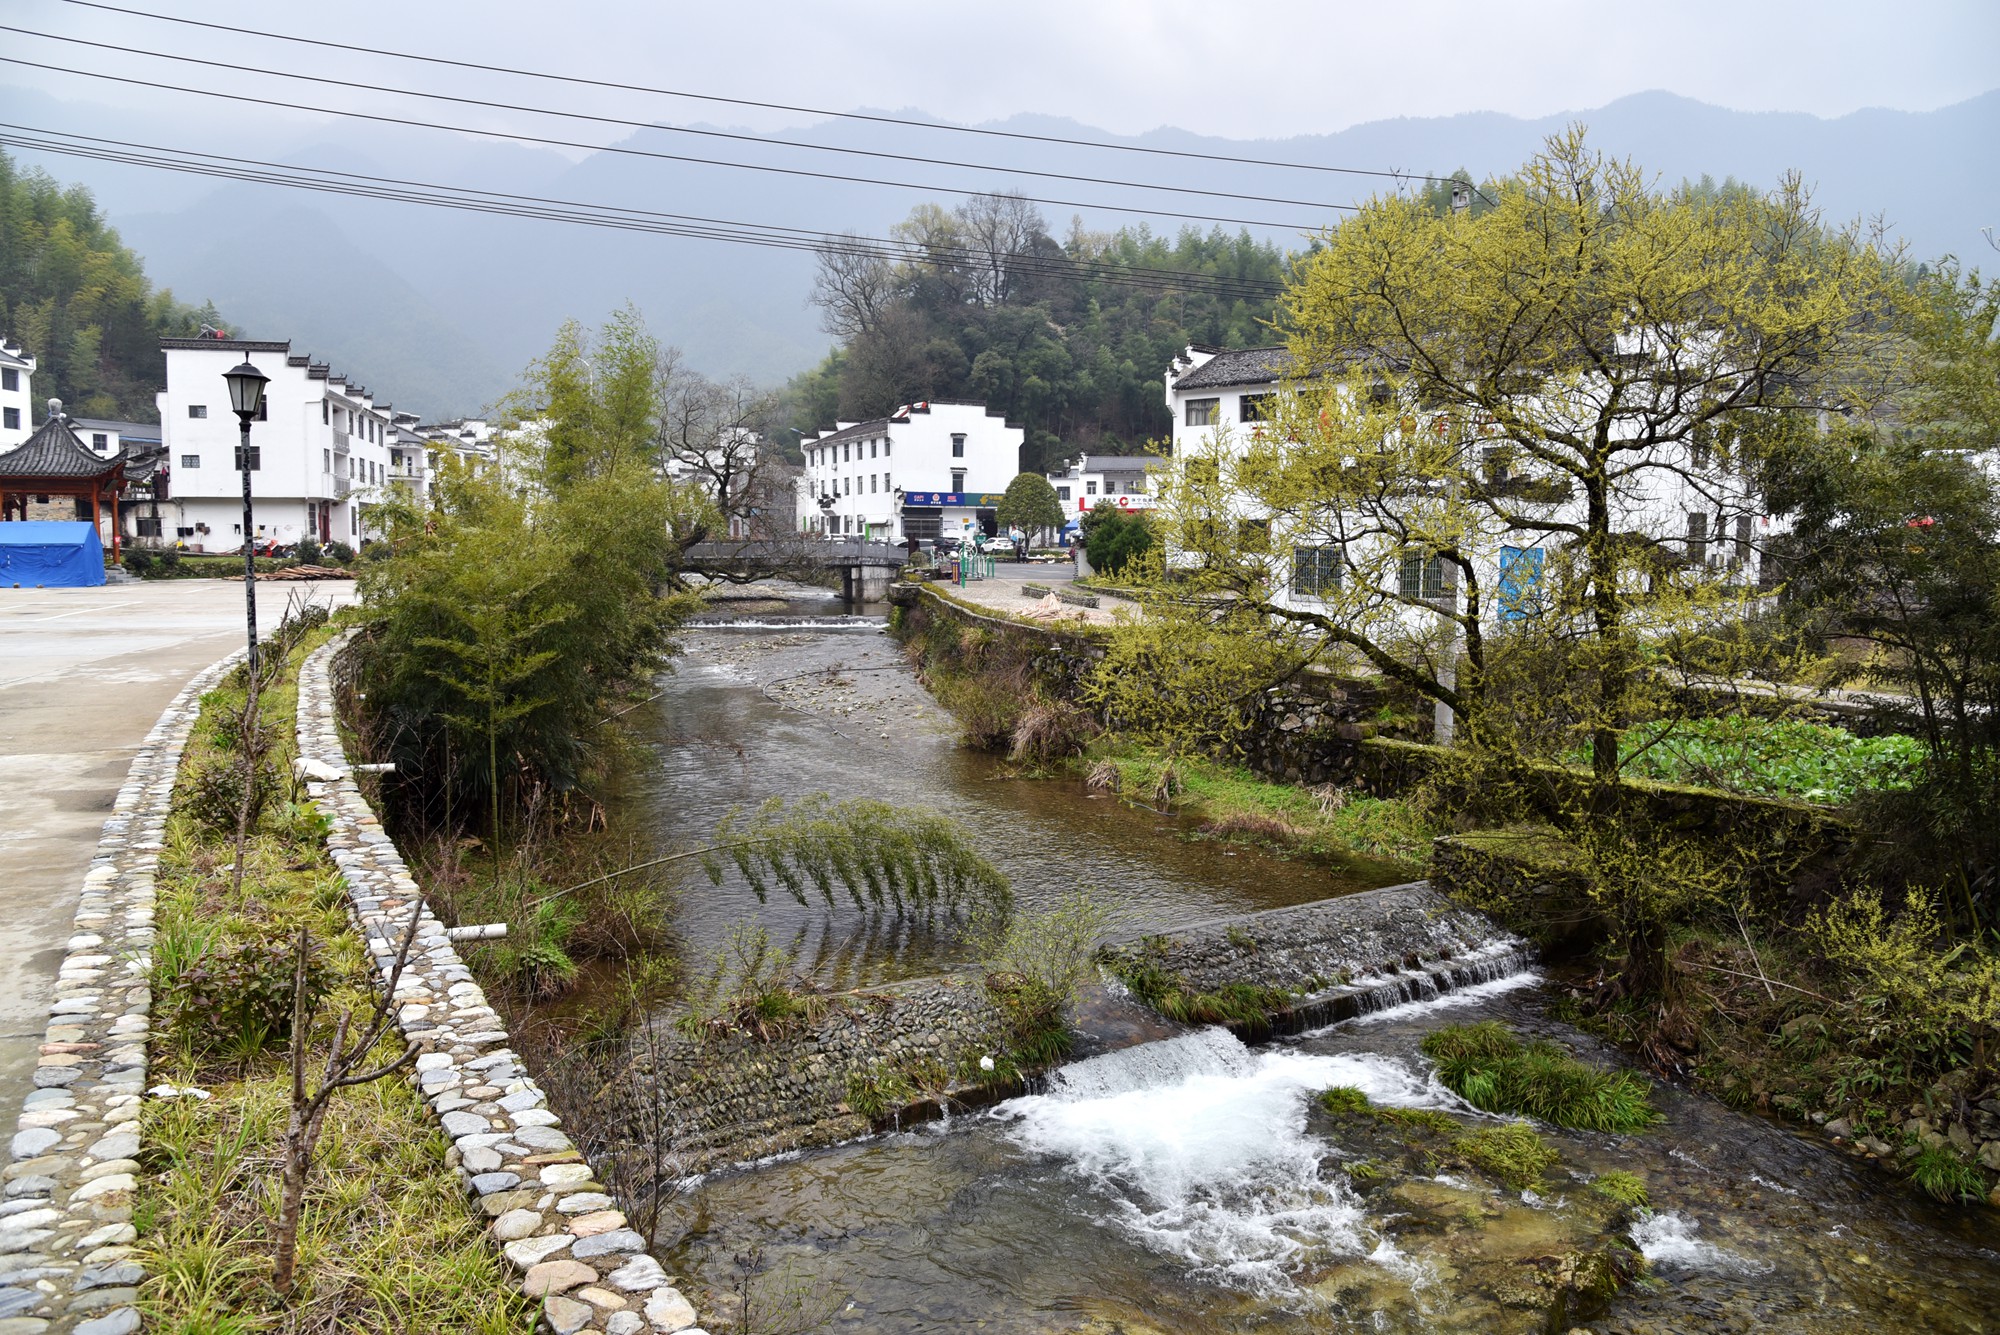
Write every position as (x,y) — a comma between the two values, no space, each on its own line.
(710,433)
(853,285)
(997,229)
(343,1062)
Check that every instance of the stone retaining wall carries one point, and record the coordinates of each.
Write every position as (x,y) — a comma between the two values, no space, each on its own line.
(1306,731)
(741,1098)
(66,1254)
(546,1210)
(1323,945)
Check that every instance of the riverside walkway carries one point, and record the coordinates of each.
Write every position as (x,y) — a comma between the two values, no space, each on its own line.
(84,674)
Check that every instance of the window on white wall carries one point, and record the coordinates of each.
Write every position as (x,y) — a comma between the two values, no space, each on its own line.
(190,461)
(10,379)
(197,410)
(1203,412)
(10,418)
(958,445)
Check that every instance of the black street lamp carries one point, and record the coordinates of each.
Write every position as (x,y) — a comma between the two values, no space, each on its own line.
(246,397)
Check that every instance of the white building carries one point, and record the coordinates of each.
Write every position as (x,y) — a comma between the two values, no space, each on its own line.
(1126,480)
(470,438)
(1708,514)
(319,451)
(924,470)
(17,418)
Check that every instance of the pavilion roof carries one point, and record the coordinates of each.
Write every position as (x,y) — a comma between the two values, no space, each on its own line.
(55,452)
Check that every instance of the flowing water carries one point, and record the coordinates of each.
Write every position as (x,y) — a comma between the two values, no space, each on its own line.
(806,700)
(1191,1184)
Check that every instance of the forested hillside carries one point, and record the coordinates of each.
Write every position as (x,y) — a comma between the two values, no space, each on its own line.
(1070,339)
(73,296)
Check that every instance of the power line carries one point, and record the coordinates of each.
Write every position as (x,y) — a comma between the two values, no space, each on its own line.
(628,123)
(582,81)
(519,137)
(614,217)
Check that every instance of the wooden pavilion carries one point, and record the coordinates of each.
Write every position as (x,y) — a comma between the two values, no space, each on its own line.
(55,462)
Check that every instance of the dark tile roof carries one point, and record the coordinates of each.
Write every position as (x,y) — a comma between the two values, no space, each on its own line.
(83,426)
(859,431)
(1243,366)
(231,344)
(55,452)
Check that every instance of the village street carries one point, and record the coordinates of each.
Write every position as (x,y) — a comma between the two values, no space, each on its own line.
(84,674)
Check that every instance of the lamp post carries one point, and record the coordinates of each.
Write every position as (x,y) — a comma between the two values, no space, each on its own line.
(246,396)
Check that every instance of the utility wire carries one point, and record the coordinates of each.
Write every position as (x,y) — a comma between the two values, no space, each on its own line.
(579,80)
(634,219)
(623,150)
(627,123)
(614,217)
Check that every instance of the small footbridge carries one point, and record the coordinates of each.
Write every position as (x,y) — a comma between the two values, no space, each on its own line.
(866,568)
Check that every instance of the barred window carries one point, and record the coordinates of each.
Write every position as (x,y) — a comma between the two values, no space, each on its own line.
(1315,571)
(1421,576)
(1203,412)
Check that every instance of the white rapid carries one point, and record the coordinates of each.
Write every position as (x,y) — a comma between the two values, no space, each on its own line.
(1197,1146)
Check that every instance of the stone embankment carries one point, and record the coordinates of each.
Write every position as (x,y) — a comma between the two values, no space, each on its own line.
(1338,957)
(66,1256)
(546,1210)
(898,1050)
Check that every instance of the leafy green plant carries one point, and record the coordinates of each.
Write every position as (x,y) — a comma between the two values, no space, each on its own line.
(1343,1100)
(1491,1069)
(1035,964)
(1940,1171)
(212,793)
(1512,1152)
(1249,1005)
(1625,1188)
(752,987)
(234,998)
(1768,757)
(877,1089)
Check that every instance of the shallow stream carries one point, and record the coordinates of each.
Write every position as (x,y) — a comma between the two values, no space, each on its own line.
(1191,1184)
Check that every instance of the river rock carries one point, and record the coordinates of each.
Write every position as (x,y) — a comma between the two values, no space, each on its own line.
(566,1315)
(624,1323)
(530,1252)
(557,1277)
(1989,1155)
(669,1311)
(1841,1128)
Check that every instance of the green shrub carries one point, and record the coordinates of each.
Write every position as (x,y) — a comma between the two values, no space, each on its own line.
(1774,758)
(308,552)
(878,1089)
(1512,1152)
(1625,1188)
(1494,1071)
(213,796)
(1939,1171)
(234,998)
(339,552)
(1343,1100)
(139,563)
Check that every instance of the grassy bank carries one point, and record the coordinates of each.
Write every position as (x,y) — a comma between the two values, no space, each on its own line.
(387,1243)
(1235,805)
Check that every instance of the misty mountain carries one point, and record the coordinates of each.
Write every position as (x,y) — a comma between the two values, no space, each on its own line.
(439,309)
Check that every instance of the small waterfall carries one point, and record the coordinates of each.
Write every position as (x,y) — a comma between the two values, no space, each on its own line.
(827,623)
(1168,1061)
(1197,1147)
(1498,961)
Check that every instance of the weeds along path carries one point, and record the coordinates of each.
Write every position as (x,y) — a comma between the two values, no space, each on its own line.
(544,1208)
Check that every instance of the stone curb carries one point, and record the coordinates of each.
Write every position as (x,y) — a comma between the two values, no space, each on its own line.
(66,1254)
(545,1210)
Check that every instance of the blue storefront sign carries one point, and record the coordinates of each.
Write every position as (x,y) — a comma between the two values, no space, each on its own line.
(974,499)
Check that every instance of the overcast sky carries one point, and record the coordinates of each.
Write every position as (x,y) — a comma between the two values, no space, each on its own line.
(1244,69)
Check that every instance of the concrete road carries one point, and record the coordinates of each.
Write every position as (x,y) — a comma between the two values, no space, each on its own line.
(84,675)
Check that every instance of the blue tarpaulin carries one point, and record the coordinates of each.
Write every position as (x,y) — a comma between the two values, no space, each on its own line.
(51,554)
